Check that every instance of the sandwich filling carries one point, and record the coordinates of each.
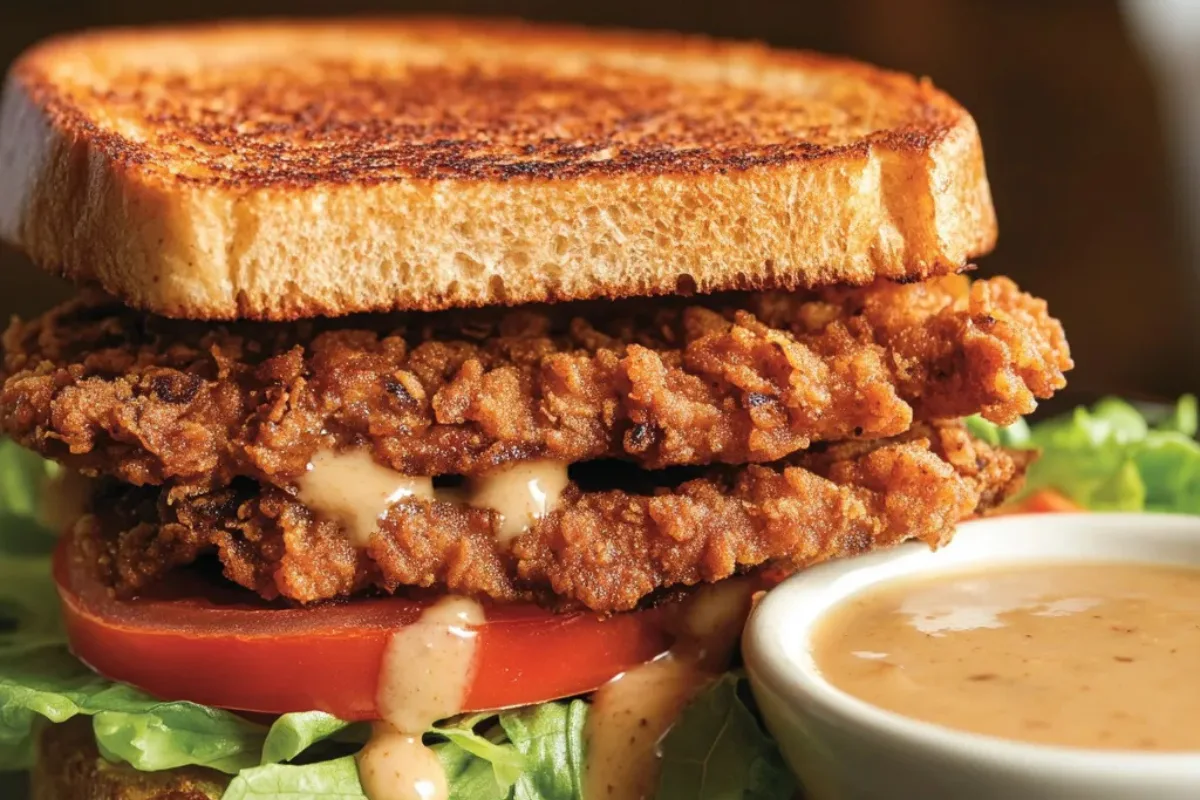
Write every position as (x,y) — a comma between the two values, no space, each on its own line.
(734,379)
(634,466)
(604,549)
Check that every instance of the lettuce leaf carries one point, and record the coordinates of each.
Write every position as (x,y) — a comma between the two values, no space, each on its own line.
(532,753)
(44,680)
(293,734)
(28,601)
(506,761)
(550,737)
(23,475)
(328,780)
(1184,417)
(718,751)
(1111,457)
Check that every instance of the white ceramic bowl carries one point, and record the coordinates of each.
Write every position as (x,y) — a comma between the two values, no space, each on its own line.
(842,747)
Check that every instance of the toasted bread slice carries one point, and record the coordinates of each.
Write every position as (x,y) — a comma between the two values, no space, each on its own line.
(283,170)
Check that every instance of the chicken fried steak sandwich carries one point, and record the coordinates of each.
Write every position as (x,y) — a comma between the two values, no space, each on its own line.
(423,369)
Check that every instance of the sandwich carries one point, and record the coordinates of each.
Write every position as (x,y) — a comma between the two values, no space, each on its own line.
(440,394)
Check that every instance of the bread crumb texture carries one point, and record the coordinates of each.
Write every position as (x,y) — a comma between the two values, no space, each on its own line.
(207,172)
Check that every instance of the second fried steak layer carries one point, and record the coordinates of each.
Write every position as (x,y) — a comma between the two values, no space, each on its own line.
(728,379)
(605,550)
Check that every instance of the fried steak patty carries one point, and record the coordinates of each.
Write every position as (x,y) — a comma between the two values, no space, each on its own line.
(732,379)
(605,550)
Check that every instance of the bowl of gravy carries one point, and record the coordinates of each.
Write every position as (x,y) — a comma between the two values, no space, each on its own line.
(1036,656)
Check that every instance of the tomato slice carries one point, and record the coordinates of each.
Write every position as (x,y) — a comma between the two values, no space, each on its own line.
(1044,501)
(221,647)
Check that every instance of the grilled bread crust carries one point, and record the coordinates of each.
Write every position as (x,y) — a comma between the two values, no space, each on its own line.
(279,170)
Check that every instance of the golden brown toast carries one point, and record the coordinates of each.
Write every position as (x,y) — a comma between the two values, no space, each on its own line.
(281,170)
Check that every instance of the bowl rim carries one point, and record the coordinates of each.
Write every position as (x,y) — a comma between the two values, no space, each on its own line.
(791,609)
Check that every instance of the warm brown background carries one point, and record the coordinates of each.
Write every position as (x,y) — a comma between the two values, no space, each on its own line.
(1066,103)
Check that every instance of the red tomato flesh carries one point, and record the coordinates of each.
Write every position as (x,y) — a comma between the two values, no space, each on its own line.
(220,647)
(1043,501)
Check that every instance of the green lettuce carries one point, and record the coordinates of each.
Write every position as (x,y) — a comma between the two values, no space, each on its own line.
(327,780)
(1112,457)
(23,475)
(550,737)
(470,777)
(533,753)
(28,601)
(717,751)
(45,681)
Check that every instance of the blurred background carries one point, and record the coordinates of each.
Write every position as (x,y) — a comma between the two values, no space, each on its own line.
(1090,113)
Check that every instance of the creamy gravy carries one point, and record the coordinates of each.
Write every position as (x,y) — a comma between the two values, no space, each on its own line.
(521,493)
(426,670)
(351,488)
(397,766)
(628,717)
(427,666)
(631,714)
(1084,655)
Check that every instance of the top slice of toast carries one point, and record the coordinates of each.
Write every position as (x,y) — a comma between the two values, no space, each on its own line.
(280,170)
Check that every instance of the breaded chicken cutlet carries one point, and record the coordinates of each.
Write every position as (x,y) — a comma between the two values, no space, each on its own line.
(407,332)
(605,550)
(729,379)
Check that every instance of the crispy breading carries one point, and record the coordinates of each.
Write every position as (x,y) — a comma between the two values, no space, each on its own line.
(605,550)
(727,379)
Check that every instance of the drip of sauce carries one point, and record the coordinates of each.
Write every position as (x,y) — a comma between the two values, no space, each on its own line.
(631,714)
(1083,655)
(397,766)
(352,489)
(424,676)
(427,666)
(520,493)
